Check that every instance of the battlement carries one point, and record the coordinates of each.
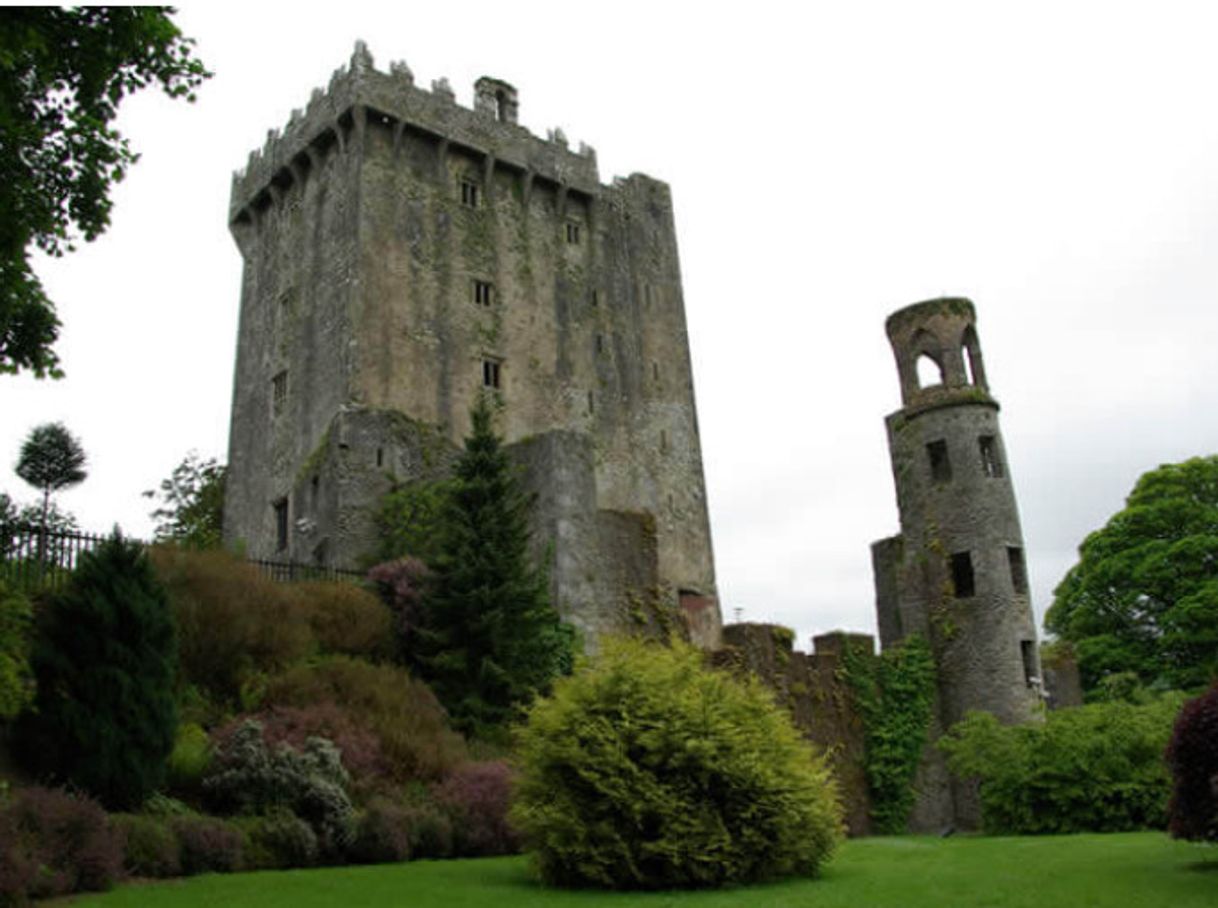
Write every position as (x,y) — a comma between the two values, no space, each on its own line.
(358,94)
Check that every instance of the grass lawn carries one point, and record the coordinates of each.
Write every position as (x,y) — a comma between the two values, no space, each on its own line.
(1129,870)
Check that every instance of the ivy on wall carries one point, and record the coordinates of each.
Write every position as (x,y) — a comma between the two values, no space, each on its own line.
(895,693)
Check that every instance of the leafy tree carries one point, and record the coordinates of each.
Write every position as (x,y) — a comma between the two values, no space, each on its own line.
(51,459)
(489,640)
(1143,597)
(648,770)
(63,73)
(192,503)
(104,657)
(408,520)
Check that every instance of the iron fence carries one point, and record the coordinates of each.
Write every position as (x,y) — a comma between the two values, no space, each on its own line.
(34,558)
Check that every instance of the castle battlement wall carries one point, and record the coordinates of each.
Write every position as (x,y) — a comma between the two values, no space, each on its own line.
(358,92)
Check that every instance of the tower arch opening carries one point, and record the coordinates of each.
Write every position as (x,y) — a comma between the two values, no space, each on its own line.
(929,371)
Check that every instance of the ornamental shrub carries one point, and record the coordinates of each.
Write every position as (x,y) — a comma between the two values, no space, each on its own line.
(382,833)
(150,846)
(16,677)
(209,845)
(401,712)
(477,796)
(400,584)
(648,770)
(346,619)
(1192,757)
(278,840)
(1094,768)
(430,829)
(105,657)
(251,777)
(53,843)
(189,759)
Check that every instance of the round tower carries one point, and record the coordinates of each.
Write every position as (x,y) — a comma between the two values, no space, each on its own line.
(956,574)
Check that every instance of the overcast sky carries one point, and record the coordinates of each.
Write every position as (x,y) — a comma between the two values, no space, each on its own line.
(1057,163)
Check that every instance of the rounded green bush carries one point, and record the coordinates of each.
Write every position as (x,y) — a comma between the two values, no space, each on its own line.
(646,770)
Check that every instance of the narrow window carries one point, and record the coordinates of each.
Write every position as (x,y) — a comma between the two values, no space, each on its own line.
(663,442)
(572,233)
(655,371)
(484,293)
(1019,572)
(314,490)
(490,373)
(380,457)
(647,294)
(281,524)
(591,403)
(940,464)
(279,392)
(596,298)
(962,575)
(1027,650)
(469,193)
(600,344)
(991,462)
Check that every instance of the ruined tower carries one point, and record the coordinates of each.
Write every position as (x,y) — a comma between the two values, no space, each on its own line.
(956,572)
(402,256)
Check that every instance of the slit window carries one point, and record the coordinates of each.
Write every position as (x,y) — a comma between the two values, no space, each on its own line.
(663,441)
(573,233)
(490,373)
(314,492)
(596,298)
(991,461)
(279,392)
(940,463)
(281,524)
(380,457)
(962,575)
(469,193)
(484,293)
(1019,571)
(1027,650)
(600,344)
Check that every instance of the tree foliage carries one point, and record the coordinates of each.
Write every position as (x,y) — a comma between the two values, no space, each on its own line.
(105,658)
(646,769)
(1192,757)
(63,74)
(51,459)
(16,678)
(489,640)
(1143,597)
(1094,768)
(191,510)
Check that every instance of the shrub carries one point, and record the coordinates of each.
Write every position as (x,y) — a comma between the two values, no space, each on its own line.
(430,830)
(16,677)
(249,776)
(400,584)
(189,759)
(646,769)
(346,619)
(279,840)
(1192,757)
(105,659)
(209,845)
(233,623)
(150,846)
(359,748)
(383,833)
(403,714)
(1094,768)
(477,797)
(52,843)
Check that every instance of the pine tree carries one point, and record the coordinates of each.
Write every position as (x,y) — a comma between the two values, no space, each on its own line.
(489,640)
(104,659)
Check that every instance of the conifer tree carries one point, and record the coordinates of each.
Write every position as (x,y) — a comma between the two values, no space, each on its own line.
(490,639)
(104,658)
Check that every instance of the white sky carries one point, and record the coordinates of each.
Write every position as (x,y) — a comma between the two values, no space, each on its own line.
(830,163)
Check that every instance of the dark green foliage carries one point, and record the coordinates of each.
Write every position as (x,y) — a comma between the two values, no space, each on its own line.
(151,847)
(895,693)
(345,619)
(51,459)
(208,845)
(53,843)
(278,840)
(191,512)
(489,640)
(648,770)
(1192,757)
(63,74)
(382,834)
(105,659)
(16,677)
(1095,768)
(189,760)
(409,520)
(1143,597)
(311,782)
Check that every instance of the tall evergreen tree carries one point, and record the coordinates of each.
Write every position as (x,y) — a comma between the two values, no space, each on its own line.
(104,658)
(490,639)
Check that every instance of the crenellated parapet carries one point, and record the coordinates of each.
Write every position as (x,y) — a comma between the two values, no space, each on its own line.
(358,94)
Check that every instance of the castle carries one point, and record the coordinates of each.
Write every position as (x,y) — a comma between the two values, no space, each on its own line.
(404,255)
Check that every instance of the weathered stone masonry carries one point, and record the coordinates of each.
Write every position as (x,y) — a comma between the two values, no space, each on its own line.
(403,255)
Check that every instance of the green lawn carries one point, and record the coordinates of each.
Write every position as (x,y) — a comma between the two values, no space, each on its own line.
(1130,870)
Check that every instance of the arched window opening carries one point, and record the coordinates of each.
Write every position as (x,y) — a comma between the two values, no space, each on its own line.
(501,107)
(971,354)
(929,371)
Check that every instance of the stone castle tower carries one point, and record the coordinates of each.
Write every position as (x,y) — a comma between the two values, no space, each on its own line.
(404,255)
(956,573)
